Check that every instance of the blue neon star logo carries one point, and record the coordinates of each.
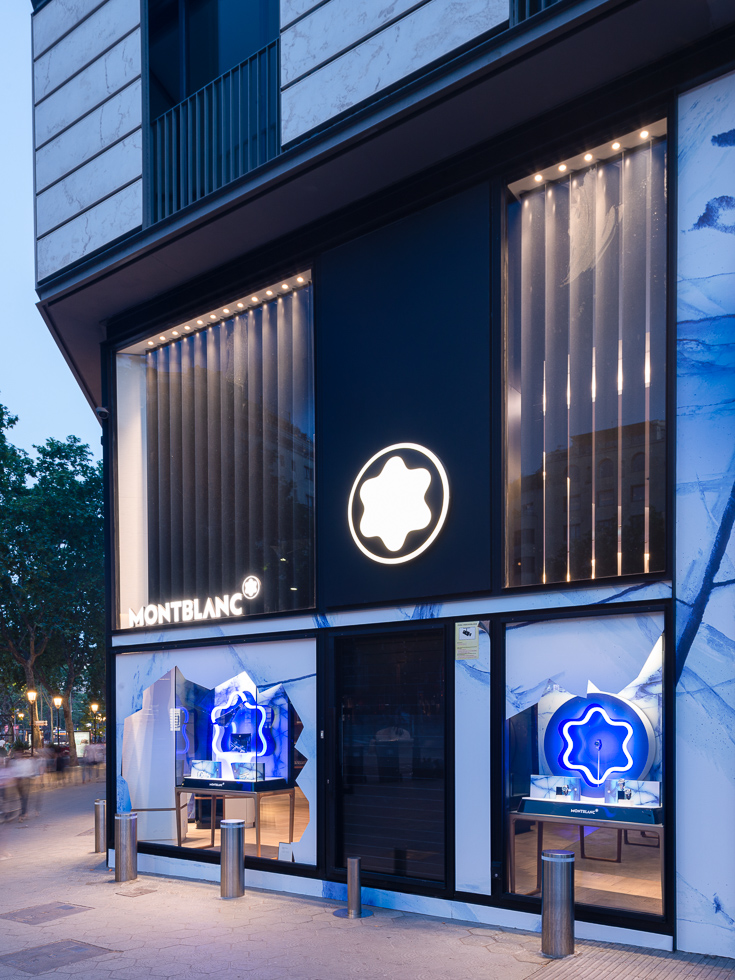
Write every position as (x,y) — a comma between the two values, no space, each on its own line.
(597,745)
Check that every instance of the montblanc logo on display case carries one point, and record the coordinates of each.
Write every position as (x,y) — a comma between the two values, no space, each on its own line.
(398,503)
(191,610)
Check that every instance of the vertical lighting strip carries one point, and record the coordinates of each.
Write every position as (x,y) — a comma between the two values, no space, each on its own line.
(647,373)
(543,486)
(621,280)
(594,440)
(569,482)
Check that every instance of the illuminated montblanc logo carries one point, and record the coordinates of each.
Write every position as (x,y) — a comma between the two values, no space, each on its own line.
(597,745)
(398,503)
(194,610)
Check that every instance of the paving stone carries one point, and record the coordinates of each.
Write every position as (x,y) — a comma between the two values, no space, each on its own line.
(38,914)
(41,959)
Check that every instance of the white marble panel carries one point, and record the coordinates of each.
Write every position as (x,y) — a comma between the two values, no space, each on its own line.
(472,772)
(291,9)
(89,231)
(58,18)
(705,489)
(89,89)
(91,183)
(81,47)
(330,29)
(415,41)
(117,118)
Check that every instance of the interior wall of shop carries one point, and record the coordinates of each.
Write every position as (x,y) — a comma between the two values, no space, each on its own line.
(87,124)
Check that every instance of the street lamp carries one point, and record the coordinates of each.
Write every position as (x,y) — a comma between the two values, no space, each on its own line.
(57,703)
(32,695)
(20,716)
(95,708)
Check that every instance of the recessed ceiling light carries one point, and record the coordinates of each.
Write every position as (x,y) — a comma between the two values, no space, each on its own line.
(150,343)
(644,134)
(269,292)
(299,279)
(588,157)
(255,299)
(285,285)
(616,145)
(538,178)
(212,316)
(200,322)
(562,167)
(176,333)
(187,327)
(239,306)
(225,310)
(161,337)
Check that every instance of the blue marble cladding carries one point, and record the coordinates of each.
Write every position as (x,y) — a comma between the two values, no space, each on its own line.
(545,788)
(705,508)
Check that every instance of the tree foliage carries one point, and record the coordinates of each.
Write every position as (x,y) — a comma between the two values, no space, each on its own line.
(51,567)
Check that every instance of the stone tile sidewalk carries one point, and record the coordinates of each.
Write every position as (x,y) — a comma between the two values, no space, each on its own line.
(90,928)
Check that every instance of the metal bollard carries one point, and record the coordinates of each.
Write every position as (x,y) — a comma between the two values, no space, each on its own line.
(100,816)
(232,858)
(557,903)
(126,846)
(354,908)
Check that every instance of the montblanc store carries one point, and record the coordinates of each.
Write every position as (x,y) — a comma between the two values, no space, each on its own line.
(419,541)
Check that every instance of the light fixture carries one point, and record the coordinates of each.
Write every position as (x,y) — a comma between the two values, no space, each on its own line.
(644,134)
(95,708)
(31,695)
(187,327)
(150,343)
(161,337)
(538,178)
(57,702)
(562,167)
(616,145)
(255,299)
(239,306)
(200,322)
(285,285)
(299,279)
(284,559)
(225,310)
(212,316)
(588,157)
(294,589)
(175,333)
(269,292)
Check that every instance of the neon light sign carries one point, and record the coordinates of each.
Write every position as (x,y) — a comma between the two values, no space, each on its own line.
(577,752)
(188,610)
(394,503)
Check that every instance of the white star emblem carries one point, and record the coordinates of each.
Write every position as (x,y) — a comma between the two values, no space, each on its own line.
(394,503)
(251,587)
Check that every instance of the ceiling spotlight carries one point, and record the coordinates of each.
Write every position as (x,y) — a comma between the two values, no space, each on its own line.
(200,322)
(644,134)
(538,178)
(162,338)
(187,327)
(285,285)
(299,279)
(176,333)
(588,157)
(212,316)
(150,343)
(239,306)
(616,145)
(255,299)
(269,292)
(562,167)
(225,310)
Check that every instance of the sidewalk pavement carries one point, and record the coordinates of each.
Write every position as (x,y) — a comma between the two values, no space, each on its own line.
(161,927)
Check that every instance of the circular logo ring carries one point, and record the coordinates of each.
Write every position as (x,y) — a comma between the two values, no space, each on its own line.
(442,515)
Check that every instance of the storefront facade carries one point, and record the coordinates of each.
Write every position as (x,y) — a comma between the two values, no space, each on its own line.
(420,526)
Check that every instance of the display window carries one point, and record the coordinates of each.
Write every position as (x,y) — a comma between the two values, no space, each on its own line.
(584,756)
(215,463)
(586,365)
(221,733)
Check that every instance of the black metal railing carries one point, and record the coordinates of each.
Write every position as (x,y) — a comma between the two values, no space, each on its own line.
(219,133)
(521,10)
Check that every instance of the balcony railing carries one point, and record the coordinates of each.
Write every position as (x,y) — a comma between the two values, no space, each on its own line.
(224,130)
(521,10)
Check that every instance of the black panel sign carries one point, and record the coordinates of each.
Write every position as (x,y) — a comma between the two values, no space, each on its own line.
(403,408)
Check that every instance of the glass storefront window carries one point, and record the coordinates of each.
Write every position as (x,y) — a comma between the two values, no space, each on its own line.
(586,365)
(584,727)
(221,733)
(215,463)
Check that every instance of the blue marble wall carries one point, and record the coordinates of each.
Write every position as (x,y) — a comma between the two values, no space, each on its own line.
(705,512)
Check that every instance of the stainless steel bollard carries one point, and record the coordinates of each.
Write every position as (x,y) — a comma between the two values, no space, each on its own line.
(557,903)
(232,858)
(100,819)
(126,846)
(354,893)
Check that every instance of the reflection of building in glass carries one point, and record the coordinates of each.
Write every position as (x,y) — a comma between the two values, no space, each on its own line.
(554,524)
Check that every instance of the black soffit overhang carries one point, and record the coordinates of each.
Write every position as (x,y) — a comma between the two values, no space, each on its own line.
(510,80)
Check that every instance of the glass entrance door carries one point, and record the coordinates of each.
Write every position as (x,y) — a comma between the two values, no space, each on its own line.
(390,785)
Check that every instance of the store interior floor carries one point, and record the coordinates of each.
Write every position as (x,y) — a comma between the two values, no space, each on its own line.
(634,883)
(274,814)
